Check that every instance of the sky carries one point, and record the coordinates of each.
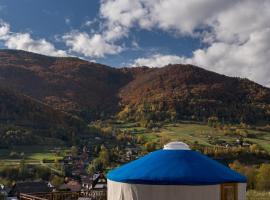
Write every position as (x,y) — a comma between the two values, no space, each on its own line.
(231,37)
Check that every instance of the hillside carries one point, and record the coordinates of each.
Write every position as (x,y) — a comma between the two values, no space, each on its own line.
(93,91)
(69,84)
(24,120)
(186,91)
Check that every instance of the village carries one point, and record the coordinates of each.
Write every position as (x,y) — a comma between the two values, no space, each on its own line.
(153,171)
(81,172)
(76,177)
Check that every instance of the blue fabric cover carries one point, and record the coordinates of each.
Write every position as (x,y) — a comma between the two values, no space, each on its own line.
(175,167)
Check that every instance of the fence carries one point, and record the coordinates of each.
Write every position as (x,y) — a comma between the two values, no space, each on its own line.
(92,194)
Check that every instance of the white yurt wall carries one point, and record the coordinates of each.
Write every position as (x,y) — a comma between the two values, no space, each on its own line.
(174,173)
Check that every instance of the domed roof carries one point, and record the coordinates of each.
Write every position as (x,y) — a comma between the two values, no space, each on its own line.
(175,165)
(176,146)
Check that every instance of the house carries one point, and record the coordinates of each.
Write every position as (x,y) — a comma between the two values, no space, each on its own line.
(173,173)
(71,185)
(29,187)
(96,182)
(86,182)
(99,182)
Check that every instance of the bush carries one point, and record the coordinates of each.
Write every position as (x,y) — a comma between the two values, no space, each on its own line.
(263,178)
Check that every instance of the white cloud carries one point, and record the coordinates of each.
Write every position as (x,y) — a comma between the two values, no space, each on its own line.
(229,19)
(158,60)
(4,30)
(24,41)
(250,59)
(91,46)
(240,43)
(236,32)
(183,16)
(115,33)
(124,12)
(235,25)
(117,17)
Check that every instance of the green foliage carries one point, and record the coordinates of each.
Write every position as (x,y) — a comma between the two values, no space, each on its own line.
(95,166)
(104,156)
(251,174)
(213,121)
(263,177)
(150,146)
(74,151)
(25,171)
(101,162)
(57,180)
(249,171)
(257,178)
(254,195)
(26,121)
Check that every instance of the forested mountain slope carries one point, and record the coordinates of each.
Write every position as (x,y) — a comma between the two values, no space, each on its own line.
(186,91)
(93,91)
(24,120)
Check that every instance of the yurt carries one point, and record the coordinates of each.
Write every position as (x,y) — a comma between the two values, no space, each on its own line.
(175,173)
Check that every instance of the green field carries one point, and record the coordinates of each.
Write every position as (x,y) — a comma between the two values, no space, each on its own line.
(31,154)
(191,132)
(253,195)
(187,131)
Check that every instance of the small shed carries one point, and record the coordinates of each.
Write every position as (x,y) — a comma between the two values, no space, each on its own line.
(174,173)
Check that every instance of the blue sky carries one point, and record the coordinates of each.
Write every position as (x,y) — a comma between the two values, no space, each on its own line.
(226,36)
(51,19)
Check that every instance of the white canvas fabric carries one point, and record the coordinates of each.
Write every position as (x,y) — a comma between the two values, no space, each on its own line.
(176,146)
(242,191)
(124,191)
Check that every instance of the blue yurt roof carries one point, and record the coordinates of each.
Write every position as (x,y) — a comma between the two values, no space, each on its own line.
(175,167)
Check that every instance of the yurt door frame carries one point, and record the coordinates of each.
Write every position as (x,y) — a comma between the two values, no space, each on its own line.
(229,191)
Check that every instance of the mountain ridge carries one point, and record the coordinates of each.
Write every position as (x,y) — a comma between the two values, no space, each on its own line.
(95,91)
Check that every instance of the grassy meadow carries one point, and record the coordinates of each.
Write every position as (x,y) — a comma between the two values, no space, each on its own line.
(31,154)
(256,195)
(191,132)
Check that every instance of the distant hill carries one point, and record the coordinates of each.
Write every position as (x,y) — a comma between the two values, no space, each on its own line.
(89,90)
(93,91)
(189,92)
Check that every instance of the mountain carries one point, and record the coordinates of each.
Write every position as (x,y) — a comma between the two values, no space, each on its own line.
(69,84)
(186,91)
(92,91)
(24,120)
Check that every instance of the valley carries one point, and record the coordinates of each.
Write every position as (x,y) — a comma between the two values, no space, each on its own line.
(134,99)
(67,117)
